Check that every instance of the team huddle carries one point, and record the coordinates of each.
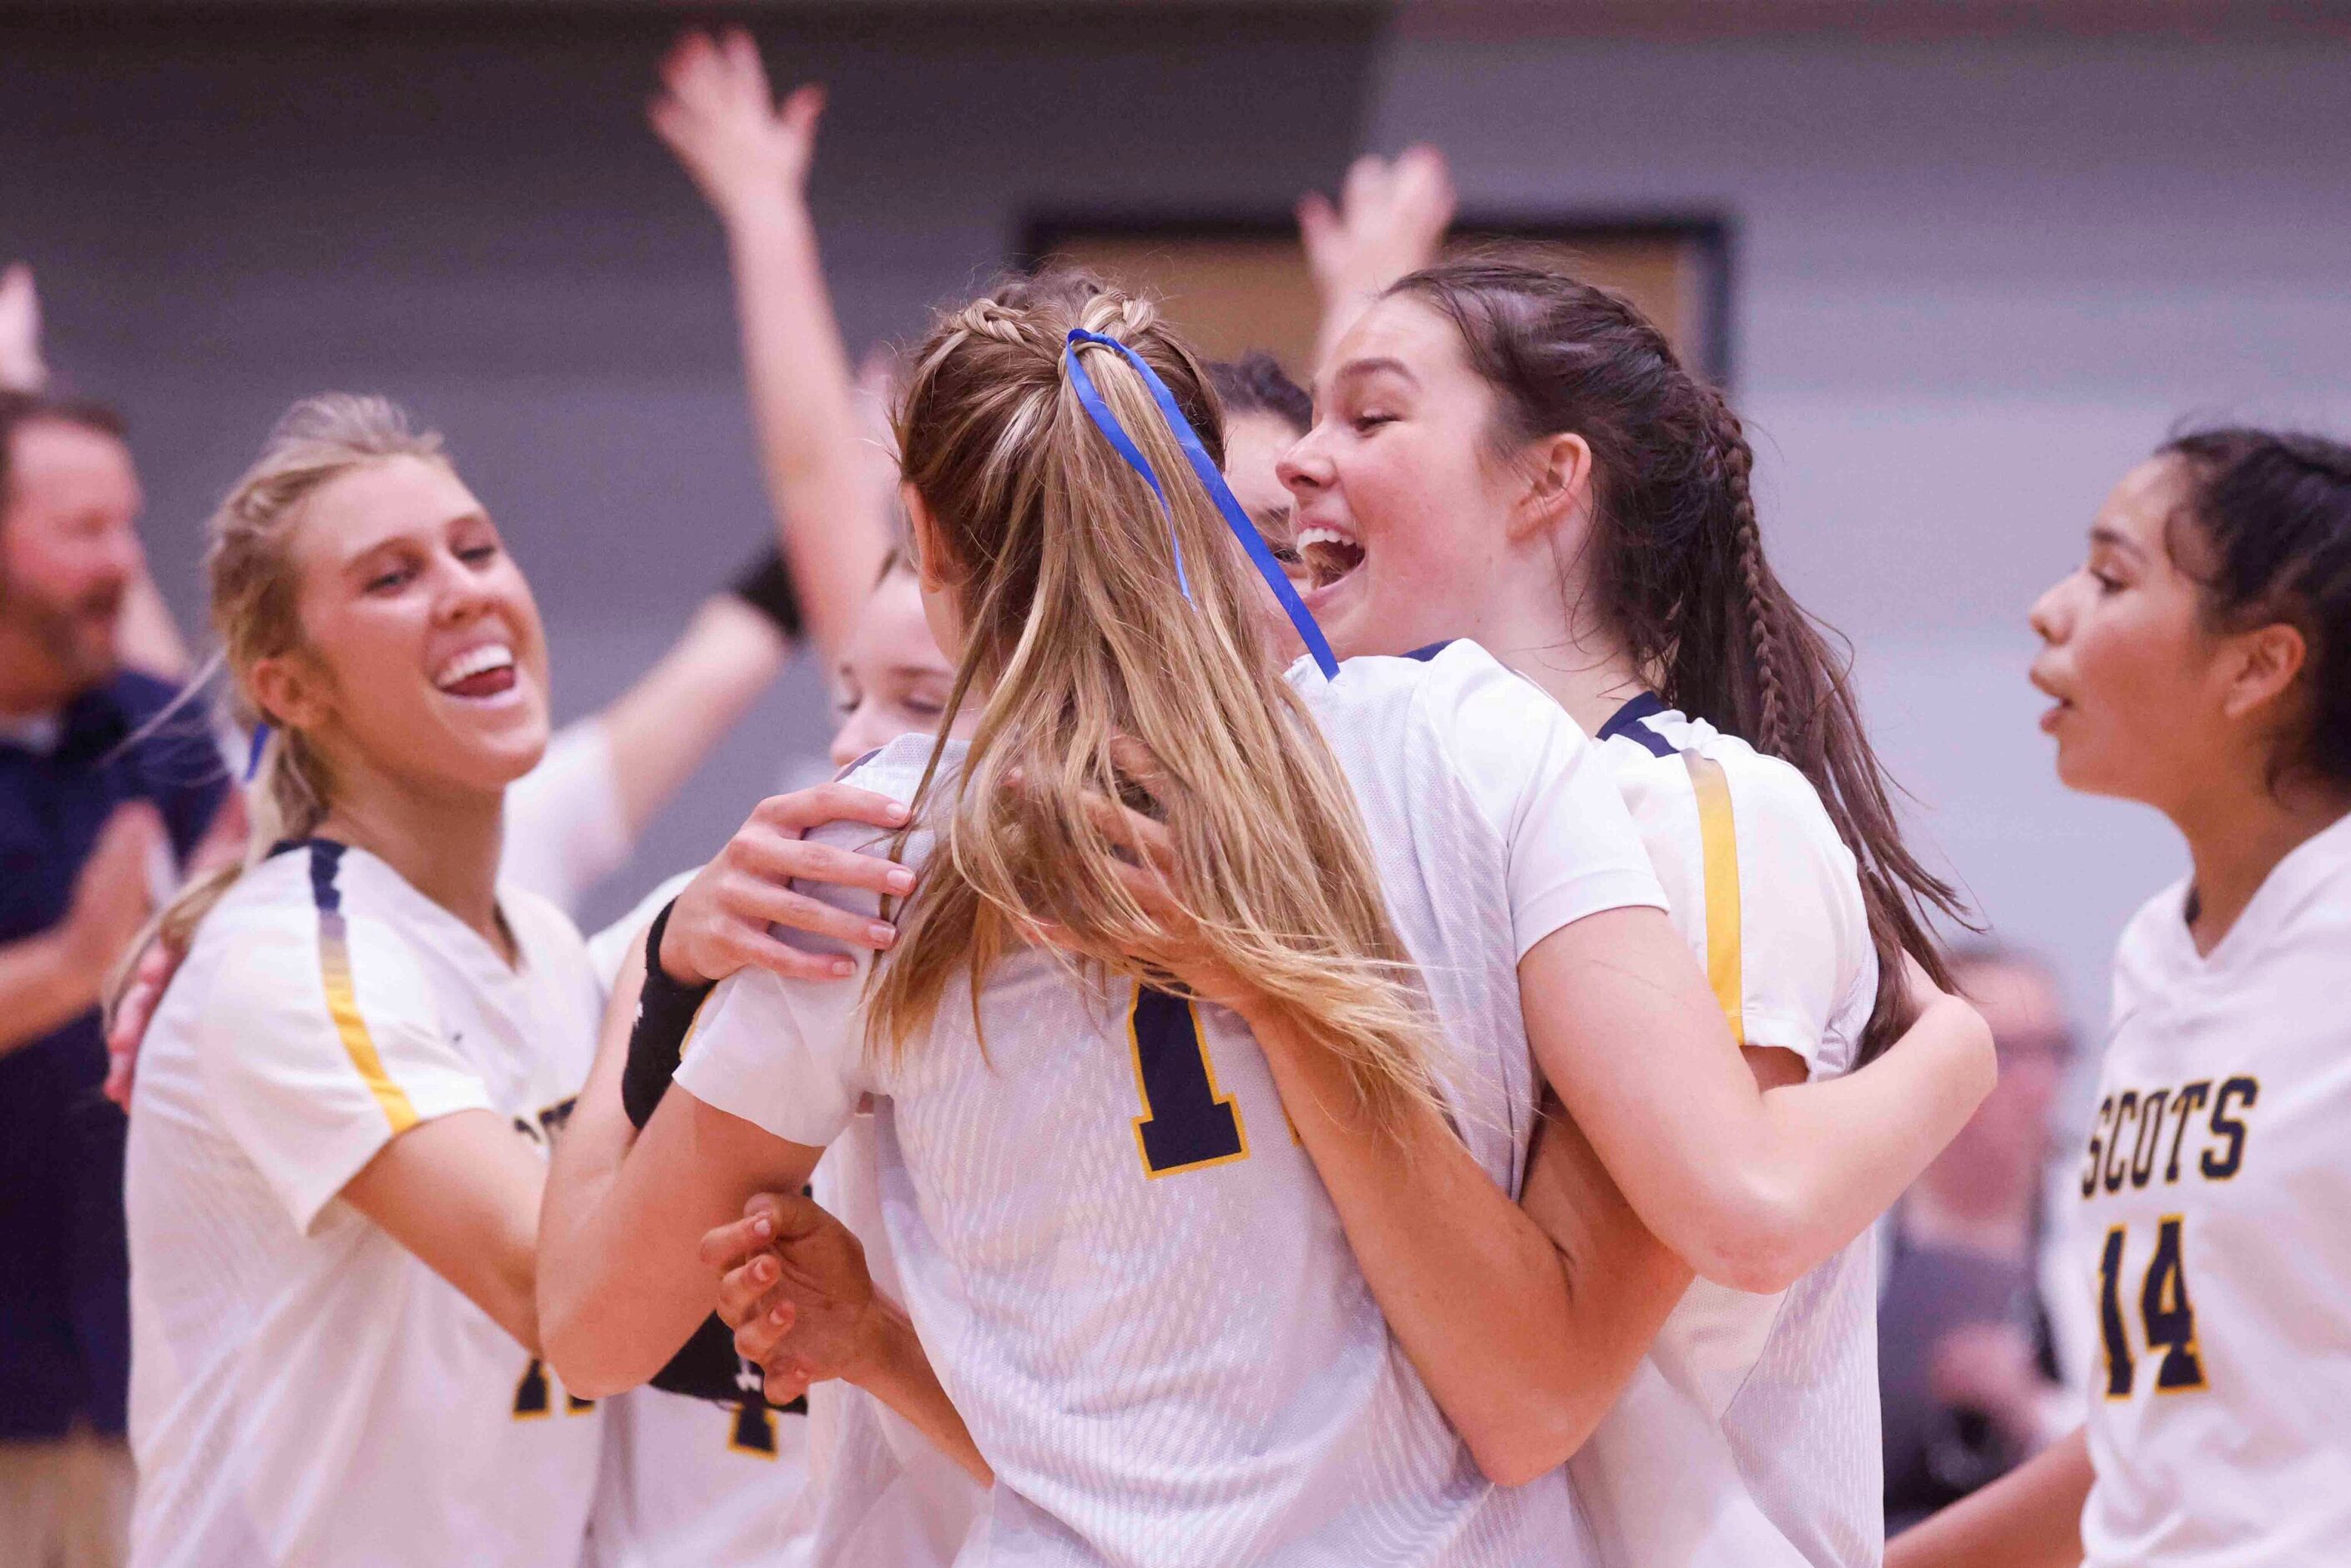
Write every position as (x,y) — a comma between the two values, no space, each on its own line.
(1357,999)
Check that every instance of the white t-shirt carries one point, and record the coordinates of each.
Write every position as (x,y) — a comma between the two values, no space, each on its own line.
(2213,1233)
(1127,1273)
(689,1481)
(566,827)
(303,1388)
(1750,1436)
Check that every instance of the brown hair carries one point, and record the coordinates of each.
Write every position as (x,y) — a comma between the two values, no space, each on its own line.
(1064,571)
(1677,563)
(2274,512)
(1256,383)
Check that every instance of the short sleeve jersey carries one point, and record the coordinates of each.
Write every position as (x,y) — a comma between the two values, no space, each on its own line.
(2211,1233)
(304,1389)
(1749,1435)
(1123,1265)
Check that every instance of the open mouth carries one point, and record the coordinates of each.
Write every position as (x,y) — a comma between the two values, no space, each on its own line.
(487,671)
(1328,554)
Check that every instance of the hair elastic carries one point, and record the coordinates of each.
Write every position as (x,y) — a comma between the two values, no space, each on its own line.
(1211,478)
(253,752)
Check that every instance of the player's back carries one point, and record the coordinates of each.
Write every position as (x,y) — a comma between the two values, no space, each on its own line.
(1751,1434)
(303,1388)
(1122,1260)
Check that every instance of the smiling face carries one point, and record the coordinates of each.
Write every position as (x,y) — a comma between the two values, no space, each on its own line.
(420,655)
(2141,683)
(1402,510)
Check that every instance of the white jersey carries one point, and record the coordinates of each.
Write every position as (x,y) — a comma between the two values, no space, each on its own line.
(880,1493)
(1750,1436)
(567,828)
(303,1389)
(2212,1235)
(690,1481)
(1126,1270)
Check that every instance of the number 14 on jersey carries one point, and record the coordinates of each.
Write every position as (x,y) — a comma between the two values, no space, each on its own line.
(2167,1317)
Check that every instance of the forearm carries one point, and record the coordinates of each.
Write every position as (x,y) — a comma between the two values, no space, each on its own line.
(44,985)
(902,1377)
(1840,1152)
(833,534)
(1474,1290)
(663,727)
(577,1249)
(1752,1191)
(2030,1518)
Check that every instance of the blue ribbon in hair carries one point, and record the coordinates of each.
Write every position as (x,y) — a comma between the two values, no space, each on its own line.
(1211,478)
(253,753)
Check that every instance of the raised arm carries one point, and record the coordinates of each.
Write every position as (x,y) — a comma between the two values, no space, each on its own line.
(22,369)
(750,158)
(1753,1189)
(1390,219)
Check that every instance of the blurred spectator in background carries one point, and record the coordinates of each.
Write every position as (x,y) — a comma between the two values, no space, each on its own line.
(97,800)
(1967,1374)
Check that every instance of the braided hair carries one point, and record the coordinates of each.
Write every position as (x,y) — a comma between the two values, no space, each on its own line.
(1676,566)
(2274,512)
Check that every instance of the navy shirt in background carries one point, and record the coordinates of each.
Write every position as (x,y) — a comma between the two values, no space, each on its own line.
(65,1271)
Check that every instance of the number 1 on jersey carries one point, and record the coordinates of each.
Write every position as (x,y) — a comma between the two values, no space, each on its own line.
(1186,1123)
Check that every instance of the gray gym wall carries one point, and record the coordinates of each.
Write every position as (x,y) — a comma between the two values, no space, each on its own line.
(1976,278)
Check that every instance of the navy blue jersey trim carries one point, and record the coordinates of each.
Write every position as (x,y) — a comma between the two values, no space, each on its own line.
(326,860)
(1425,655)
(1626,721)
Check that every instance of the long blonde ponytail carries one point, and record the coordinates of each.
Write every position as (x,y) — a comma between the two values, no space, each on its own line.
(1067,582)
(252,587)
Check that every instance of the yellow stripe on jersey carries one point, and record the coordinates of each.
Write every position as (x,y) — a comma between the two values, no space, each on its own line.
(343,1001)
(1718,840)
(343,1007)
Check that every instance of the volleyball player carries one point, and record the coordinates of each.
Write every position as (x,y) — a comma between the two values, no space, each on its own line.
(337,1130)
(2198,663)
(1490,412)
(337,1139)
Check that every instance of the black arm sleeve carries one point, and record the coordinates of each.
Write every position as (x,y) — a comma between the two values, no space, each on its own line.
(666,1012)
(766,587)
(706,1367)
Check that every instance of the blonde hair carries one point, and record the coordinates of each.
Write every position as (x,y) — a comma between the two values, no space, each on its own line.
(1067,585)
(252,585)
